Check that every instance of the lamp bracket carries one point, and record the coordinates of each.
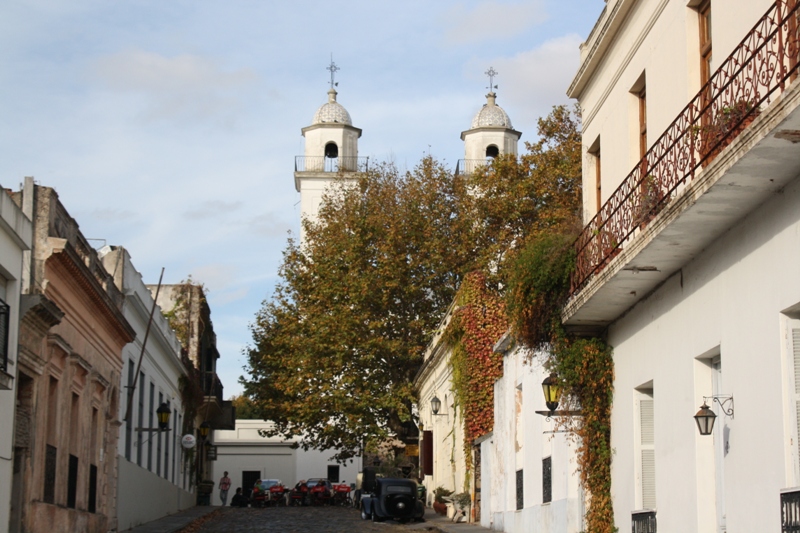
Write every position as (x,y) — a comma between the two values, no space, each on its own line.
(548,415)
(722,400)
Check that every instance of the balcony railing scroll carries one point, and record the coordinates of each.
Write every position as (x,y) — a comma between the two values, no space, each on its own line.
(303,163)
(756,72)
(790,511)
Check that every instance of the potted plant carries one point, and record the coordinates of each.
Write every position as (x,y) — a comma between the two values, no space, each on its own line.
(440,498)
(648,199)
(462,501)
(727,123)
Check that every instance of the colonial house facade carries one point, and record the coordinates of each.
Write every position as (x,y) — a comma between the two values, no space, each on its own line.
(151,463)
(16,234)
(688,263)
(72,335)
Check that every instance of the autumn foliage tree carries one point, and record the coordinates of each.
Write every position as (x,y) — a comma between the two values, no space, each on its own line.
(337,346)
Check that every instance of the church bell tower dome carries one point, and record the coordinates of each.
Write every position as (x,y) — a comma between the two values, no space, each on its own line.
(491,133)
(332,112)
(491,115)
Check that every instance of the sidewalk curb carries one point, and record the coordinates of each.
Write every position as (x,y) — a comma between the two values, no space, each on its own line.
(174,522)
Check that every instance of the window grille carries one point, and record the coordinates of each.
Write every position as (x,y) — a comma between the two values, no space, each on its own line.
(92,489)
(333,473)
(643,522)
(547,479)
(4,312)
(72,482)
(50,455)
(520,498)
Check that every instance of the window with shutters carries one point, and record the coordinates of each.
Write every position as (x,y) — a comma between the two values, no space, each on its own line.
(646,446)
(795,351)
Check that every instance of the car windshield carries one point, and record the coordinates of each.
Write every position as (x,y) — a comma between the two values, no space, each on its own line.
(315,482)
(267,483)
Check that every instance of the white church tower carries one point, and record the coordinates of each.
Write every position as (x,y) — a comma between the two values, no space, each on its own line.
(331,153)
(490,135)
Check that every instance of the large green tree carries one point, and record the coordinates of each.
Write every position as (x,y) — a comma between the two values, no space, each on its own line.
(336,347)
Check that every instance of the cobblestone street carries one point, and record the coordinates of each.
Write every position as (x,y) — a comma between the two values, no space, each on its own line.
(296,520)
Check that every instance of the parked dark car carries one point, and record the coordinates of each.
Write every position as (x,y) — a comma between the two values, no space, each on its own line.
(391,498)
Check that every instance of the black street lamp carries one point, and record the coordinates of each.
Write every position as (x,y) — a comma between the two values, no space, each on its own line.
(204,428)
(162,413)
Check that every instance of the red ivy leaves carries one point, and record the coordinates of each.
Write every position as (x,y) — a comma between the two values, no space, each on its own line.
(480,320)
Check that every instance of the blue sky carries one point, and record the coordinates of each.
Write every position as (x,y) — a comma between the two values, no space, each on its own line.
(170,127)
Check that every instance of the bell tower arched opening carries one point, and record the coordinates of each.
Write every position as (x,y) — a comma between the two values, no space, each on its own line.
(331,150)
(492,151)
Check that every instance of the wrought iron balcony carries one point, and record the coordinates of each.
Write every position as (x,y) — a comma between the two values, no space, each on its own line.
(304,163)
(790,511)
(212,386)
(756,73)
(643,521)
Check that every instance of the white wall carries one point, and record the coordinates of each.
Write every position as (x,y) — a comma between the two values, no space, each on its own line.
(520,441)
(730,301)
(162,369)
(243,449)
(146,497)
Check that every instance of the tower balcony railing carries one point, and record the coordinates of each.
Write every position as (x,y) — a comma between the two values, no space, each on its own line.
(303,163)
(759,69)
(468,166)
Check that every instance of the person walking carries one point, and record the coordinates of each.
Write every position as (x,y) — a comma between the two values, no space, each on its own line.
(224,485)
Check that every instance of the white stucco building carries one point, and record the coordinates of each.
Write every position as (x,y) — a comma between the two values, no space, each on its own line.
(247,457)
(688,264)
(529,475)
(150,463)
(16,233)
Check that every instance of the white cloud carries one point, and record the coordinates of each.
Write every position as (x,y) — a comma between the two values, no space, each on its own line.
(268,225)
(211,208)
(532,82)
(492,20)
(183,87)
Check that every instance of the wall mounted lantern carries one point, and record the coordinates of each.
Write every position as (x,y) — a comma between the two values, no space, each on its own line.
(436,404)
(551,387)
(552,391)
(705,417)
(162,413)
(204,428)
